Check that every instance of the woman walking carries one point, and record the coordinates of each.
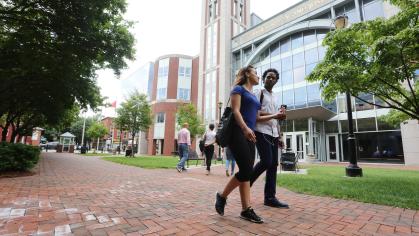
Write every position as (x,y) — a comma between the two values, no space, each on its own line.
(245,108)
(209,138)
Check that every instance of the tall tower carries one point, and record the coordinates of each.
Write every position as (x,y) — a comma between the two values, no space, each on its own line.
(221,20)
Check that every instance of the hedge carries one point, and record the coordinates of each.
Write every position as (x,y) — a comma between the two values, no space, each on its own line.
(18,157)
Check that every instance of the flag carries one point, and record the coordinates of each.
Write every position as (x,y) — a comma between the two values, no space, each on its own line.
(114,104)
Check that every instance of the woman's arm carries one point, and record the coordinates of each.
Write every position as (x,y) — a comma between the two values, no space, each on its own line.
(235,106)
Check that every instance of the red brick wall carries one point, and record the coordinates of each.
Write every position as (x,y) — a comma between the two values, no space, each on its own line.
(170,108)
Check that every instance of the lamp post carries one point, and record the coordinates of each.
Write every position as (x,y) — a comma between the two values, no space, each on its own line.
(220,106)
(352,170)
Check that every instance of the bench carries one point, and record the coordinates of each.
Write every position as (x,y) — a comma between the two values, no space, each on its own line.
(289,161)
(193,156)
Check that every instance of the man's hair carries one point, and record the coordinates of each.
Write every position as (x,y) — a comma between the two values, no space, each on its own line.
(211,126)
(270,70)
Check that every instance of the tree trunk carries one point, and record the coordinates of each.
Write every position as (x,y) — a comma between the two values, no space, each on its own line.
(4,132)
(132,144)
(97,145)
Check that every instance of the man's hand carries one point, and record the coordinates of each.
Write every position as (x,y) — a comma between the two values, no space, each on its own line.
(281,116)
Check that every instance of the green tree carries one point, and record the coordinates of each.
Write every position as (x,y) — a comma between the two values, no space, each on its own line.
(187,113)
(378,57)
(134,115)
(50,51)
(96,131)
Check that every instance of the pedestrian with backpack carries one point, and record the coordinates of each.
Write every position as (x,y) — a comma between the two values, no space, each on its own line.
(209,138)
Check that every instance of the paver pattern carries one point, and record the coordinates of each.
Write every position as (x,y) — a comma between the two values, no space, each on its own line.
(74,195)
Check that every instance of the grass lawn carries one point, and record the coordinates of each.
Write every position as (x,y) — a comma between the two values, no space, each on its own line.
(391,187)
(98,154)
(148,162)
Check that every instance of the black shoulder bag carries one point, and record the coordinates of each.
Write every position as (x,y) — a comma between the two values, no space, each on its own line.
(225,127)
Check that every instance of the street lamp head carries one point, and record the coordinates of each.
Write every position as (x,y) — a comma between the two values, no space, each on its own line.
(220,105)
(341,22)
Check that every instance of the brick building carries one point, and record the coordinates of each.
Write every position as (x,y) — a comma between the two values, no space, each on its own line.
(175,83)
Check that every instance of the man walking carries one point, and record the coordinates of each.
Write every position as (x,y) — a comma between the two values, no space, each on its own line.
(184,142)
(267,136)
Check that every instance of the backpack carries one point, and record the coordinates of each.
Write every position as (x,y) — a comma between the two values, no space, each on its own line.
(202,143)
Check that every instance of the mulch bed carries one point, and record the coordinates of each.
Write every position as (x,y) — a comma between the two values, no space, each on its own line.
(14,174)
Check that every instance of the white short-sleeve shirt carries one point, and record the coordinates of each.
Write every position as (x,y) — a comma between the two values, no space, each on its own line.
(269,105)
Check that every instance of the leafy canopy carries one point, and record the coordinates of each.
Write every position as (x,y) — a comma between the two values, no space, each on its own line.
(50,51)
(97,130)
(134,114)
(187,113)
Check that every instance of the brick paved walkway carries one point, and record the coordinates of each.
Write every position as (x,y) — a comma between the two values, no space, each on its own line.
(88,196)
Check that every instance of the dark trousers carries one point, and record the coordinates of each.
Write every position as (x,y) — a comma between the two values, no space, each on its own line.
(209,153)
(267,147)
(244,153)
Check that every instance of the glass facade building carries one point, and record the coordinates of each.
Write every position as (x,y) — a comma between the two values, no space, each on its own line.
(316,127)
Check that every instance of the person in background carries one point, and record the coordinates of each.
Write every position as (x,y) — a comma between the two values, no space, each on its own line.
(229,161)
(209,137)
(184,142)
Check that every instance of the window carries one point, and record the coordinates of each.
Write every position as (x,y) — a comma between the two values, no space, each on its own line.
(274,49)
(285,45)
(276,65)
(286,63)
(309,37)
(183,94)
(300,97)
(367,124)
(288,98)
(162,78)
(310,68)
(297,40)
(311,56)
(160,117)
(313,92)
(321,34)
(299,74)
(298,60)
(322,53)
(372,10)
(184,79)
(361,105)
(286,78)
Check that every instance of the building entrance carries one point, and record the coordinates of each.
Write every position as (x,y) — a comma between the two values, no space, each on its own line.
(332,147)
(296,143)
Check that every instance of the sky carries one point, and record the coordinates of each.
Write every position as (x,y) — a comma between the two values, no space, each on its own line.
(168,27)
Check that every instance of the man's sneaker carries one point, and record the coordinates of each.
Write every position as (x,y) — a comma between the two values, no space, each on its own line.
(250,215)
(208,172)
(179,169)
(220,203)
(273,202)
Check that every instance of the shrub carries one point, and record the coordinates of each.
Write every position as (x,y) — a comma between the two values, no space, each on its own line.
(18,156)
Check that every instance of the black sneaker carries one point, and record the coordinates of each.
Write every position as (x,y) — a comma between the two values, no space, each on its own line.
(250,215)
(220,204)
(273,202)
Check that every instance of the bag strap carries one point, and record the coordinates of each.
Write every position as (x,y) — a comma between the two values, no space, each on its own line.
(261,97)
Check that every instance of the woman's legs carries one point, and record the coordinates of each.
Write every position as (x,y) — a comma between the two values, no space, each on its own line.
(244,152)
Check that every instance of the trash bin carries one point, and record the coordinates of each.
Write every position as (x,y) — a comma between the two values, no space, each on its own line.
(128,152)
(83,150)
